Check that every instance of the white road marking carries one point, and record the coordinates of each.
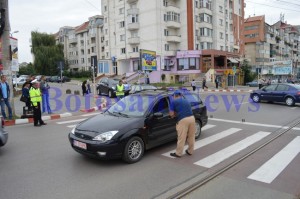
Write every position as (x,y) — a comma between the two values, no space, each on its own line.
(208,140)
(222,155)
(253,124)
(90,114)
(71,121)
(272,168)
(71,126)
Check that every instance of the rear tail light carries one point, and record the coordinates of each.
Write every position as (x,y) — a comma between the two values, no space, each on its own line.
(298,93)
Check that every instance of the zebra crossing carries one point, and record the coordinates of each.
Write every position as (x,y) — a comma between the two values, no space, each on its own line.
(263,173)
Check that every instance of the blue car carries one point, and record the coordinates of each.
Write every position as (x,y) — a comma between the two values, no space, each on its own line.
(281,92)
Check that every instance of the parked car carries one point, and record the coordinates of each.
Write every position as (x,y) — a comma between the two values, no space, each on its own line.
(65,79)
(19,81)
(281,92)
(252,84)
(141,87)
(132,125)
(107,86)
(3,133)
(54,79)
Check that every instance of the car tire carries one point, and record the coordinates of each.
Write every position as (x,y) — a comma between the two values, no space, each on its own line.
(110,94)
(256,98)
(289,101)
(198,129)
(134,150)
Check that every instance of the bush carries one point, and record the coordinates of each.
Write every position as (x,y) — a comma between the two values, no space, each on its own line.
(68,91)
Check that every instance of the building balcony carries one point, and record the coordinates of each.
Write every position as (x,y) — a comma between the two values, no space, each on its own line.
(73,41)
(173,38)
(170,53)
(133,11)
(134,40)
(172,8)
(133,26)
(131,1)
(134,54)
(173,24)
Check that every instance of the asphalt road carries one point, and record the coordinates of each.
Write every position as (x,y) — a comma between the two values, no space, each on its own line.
(39,162)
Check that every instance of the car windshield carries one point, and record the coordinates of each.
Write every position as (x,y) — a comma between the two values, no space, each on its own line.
(133,105)
(297,86)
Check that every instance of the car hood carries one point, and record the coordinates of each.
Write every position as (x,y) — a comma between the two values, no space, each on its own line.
(104,122)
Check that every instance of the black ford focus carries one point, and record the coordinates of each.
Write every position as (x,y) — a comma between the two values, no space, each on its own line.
(134,124)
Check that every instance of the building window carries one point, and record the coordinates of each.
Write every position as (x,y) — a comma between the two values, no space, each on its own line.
(221,35)
(165,3)
(122,37)
(173,16)
(221,22)
(105,8)
(82,60)
(205,18)
(221,9)
(206,32)
(121,11)
(122,24)
(167,47)
(166,32)
(103,67)
(123,50)
(133,18)
(135,49)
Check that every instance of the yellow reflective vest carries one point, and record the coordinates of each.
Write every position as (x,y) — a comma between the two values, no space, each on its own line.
(35,96)
(120,90)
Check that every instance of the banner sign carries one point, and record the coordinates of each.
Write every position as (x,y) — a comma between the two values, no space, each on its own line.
(14,54)
(148,59)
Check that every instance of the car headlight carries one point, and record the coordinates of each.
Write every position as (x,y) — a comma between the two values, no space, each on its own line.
(105,136)
(113,87)
(73,130)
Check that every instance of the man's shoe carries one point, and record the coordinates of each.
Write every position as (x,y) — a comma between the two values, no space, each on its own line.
(187,152)
(174,155)
(36,125)
(44,123)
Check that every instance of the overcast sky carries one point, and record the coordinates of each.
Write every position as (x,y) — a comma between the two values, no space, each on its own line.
(49,15)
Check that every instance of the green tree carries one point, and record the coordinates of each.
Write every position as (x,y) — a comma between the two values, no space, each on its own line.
(249,76)
(27,70)
(46,53)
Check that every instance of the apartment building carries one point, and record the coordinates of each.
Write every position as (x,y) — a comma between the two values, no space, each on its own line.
(271,49)
(190,37)
(82,44)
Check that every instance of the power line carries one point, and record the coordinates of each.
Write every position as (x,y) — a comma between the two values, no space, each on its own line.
(287,2)
(274,6)
(92,5)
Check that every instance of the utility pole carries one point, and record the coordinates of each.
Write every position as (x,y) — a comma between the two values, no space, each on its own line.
(6,58)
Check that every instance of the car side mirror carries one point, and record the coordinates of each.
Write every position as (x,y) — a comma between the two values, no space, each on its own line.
(158,115)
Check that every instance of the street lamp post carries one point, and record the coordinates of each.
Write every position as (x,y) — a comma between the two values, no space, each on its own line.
(11,34)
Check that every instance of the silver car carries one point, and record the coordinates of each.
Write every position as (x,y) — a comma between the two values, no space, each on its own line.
(3,133)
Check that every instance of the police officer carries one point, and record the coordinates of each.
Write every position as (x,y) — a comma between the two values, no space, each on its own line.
(120,90)
(36,99)
(185,126)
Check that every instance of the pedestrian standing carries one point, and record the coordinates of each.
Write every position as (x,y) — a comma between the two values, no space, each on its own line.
(83,87)
(217,83)
(193,85)
(88,87)
(25,93)
(120,90)
(4,97)
(204,83)
(36,99)
(185,126)
(44,86)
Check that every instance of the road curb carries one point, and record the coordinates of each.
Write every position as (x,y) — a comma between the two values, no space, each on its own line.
(30,120)
(96,108)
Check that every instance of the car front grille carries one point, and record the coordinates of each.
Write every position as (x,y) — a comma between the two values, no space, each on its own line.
(83,135)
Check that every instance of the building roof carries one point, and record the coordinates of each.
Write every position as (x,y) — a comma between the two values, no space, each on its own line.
(82,27)
(255,18)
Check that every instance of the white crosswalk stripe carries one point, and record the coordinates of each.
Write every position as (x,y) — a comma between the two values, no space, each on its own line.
(71,121)
(208,140)
(278,163)
(222,155)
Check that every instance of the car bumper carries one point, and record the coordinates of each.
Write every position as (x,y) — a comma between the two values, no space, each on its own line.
(95,149)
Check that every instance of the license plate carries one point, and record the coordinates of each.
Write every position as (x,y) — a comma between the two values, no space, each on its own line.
(79,144)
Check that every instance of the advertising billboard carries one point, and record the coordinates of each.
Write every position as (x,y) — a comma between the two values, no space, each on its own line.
(148,60)
(14,54)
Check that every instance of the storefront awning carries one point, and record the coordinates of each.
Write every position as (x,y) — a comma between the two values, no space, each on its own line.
(232,60)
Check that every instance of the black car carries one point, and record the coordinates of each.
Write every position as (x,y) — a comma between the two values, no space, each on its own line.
(134,124)
(3,133)
(281,92)
(107,86)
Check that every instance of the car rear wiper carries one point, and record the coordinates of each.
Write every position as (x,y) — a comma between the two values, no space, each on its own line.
(122,114)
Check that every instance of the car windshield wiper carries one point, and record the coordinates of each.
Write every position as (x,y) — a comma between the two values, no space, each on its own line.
(114,113)
(122,114)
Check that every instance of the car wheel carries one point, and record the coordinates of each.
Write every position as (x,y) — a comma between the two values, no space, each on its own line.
(290,101)
(256,98)
(110,94)
(198,129)
(134,150)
